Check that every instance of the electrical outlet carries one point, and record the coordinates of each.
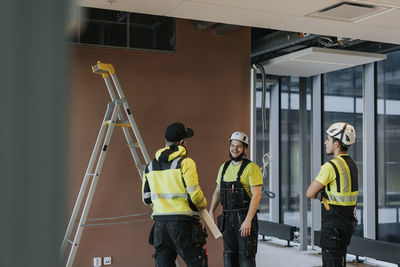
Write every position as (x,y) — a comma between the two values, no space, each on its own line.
(107,260)
(97,261)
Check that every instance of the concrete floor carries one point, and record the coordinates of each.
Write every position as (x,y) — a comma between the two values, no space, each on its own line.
(275,253)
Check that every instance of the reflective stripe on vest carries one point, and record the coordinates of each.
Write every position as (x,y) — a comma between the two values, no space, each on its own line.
(343,200)
(193,188)
(167,195)
(342,196)
(146,195)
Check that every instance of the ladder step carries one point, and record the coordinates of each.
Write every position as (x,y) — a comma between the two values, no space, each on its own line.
(119,123)
(133,145)
(103,68)
(69,241)
(90,174)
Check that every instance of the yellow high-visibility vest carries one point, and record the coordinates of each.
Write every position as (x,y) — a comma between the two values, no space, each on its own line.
(171,183)
(343,190)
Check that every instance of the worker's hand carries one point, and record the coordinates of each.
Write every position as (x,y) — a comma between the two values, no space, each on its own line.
(245,228)
(321,194)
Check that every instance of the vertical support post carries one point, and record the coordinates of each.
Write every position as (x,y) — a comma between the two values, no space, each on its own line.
(316,148)
(304,154)
(34,132)
(253,117)
(274,148)
(369,190)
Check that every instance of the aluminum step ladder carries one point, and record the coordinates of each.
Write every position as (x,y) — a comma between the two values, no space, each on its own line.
(114,117)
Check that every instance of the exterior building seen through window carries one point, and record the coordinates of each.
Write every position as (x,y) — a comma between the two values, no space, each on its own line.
(388,147)
(343,102)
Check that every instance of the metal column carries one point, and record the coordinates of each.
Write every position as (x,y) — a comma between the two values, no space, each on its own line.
(274,147)
(316,149)
(253,114)
(304,156)
(369,190)
(33,155)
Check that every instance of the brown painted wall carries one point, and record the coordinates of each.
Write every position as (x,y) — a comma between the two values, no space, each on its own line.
(205,85)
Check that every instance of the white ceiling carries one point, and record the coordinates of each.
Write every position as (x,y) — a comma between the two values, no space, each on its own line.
(287,15)
(316,60)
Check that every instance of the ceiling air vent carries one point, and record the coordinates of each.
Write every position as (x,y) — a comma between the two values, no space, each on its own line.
(317,60)
(350,12)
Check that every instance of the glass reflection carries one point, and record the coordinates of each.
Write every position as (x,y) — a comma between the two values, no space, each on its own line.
(388,145)
(343,103)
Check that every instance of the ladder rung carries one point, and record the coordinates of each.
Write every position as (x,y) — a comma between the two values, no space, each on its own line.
(119,123)
(121,100)
(131,145)
(113,223)
(90,174)
(69,241)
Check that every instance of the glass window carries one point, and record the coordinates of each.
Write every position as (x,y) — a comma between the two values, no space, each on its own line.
(125,29)
(103,27)
(388,146)
(262,145)
(343,103)
(290,169)
(151,32)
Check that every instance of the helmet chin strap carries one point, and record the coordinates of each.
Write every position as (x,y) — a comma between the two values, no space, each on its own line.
(238,158)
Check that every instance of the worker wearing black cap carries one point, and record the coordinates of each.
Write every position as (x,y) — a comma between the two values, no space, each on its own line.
(171,185)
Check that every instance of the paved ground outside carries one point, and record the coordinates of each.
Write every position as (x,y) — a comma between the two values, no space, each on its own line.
(275,253)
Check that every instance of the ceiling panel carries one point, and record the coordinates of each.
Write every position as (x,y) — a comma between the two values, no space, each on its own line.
(392,36)
(390,3)
(331,27)
(288,7)
(230,15)
(390,19)
(154,7)
(285,15)
(316,60)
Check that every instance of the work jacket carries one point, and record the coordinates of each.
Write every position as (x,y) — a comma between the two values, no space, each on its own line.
(171,184)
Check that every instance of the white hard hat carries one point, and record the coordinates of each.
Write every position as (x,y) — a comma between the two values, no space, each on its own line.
(342,131)
(240,136)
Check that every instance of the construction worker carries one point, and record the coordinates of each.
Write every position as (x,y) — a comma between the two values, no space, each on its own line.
(337,187)
(171,186)
(239,183)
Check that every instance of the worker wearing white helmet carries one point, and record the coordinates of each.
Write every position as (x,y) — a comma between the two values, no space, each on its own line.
(238,189)
(336,185)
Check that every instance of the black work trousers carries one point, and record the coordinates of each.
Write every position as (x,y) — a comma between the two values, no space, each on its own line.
(334,242)
(338,225)
(238,251)
(184,238)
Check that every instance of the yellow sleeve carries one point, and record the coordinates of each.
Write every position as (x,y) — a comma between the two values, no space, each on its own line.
(219,173)
(326,174)
(255,175)
(191,178)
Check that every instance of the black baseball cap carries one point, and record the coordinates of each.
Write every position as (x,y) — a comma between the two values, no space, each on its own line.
(177,131)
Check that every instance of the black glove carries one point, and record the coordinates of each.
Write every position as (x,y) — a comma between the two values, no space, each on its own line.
(321,194)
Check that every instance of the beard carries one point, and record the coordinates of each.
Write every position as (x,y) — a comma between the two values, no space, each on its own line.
(238,158)
(329,152)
